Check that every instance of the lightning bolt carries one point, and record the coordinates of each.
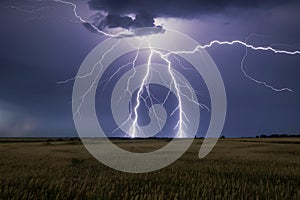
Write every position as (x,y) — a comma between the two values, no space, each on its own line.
(135,131)
(134,128)
(247,46)
(258,81)
(83,21)
(94,84)
(181,121)
(27,10)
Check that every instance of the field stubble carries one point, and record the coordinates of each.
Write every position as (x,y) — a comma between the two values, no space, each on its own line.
(235,169)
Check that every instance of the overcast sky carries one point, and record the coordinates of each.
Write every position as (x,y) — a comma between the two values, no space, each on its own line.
(43,43)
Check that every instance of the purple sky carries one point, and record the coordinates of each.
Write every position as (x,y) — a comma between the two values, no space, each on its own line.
(42,47)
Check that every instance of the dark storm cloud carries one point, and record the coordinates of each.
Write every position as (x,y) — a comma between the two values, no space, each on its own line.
(146,10)
(177,8)
(142,19)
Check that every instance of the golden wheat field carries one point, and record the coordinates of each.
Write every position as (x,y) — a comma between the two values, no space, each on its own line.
(235,169)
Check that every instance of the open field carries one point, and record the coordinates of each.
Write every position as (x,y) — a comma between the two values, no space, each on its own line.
(235,169)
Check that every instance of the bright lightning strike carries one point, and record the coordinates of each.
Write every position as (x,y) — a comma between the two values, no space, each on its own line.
(180,122)
(258,81)
(81,19)
(118,35)
(247,46)
(133,130)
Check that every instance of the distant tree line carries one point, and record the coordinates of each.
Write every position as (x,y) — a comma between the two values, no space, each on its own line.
(59,139)
(278,136)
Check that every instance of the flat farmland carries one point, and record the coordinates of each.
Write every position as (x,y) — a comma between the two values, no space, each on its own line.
(262,168)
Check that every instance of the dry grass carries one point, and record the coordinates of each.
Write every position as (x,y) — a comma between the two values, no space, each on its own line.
(235,169)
